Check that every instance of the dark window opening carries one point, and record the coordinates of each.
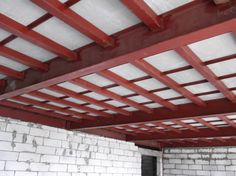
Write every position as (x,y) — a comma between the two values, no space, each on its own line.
(149,165)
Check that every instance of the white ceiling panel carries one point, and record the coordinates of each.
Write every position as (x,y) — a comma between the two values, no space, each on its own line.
(139,99)
(161,7)
(150,84)
(110,16)
(128,71)
(50,92)
(97,80)
(49,27)
(41,108)
(180,101)
(16,101)
(208,119)
(200,88)
(120,90)
(30,49)
(32,97)
(153,105)
(96,96)
(224,68)
(165,94)
(12,64)
(231,116)
(23,11)
(77,110)
(72,87)
(165,61)
(75,100)
(230,82)
(130,109)
(110,112)
(115,103)
(215,47)
(57,104)
(188,121)
(211,96)
(186,76)
(59,112)
(95,107)
(218,123)
(2,76)
(3,34)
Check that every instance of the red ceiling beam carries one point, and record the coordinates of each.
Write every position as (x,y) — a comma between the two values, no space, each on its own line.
(54,108)
(87,99)
(155,73)
(205,123)
(179,122)
(10,72)
(107,93)
(213,108)
(22,58)
(71,18)
(32,117)
(193,60)
(212,143)
(134,43)
(68,103)
(135,88)
(22,31)
(168,128)
(203,133)
(144,13)
(37,22)
(32,109)
(228,121)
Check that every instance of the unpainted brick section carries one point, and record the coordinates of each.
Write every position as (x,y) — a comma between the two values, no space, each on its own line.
(218,161)
(28,149)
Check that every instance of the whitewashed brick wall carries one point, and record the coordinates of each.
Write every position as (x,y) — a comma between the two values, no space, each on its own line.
(28,149)
(219,161)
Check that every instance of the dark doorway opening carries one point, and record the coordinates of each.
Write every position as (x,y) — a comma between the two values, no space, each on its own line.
(149,165)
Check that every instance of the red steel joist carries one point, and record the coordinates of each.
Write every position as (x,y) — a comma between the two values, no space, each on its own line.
(73,19)
(22,31)
(145,13)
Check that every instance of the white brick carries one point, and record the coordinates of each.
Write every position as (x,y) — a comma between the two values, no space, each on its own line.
(8,156)
(6,173)
(58,167)
(208,173)
(52,142)
(45,150)
(67,160)
(31,157)
(50,159)
(2,165)
(18,128)
(231,168)
(5,136)
(39,167)
(47,174)
(73,168)
(21,147)
(25,173)
(39,132)
(59,136)
(19,166)
(63,174)
(5,146)
(232,150)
